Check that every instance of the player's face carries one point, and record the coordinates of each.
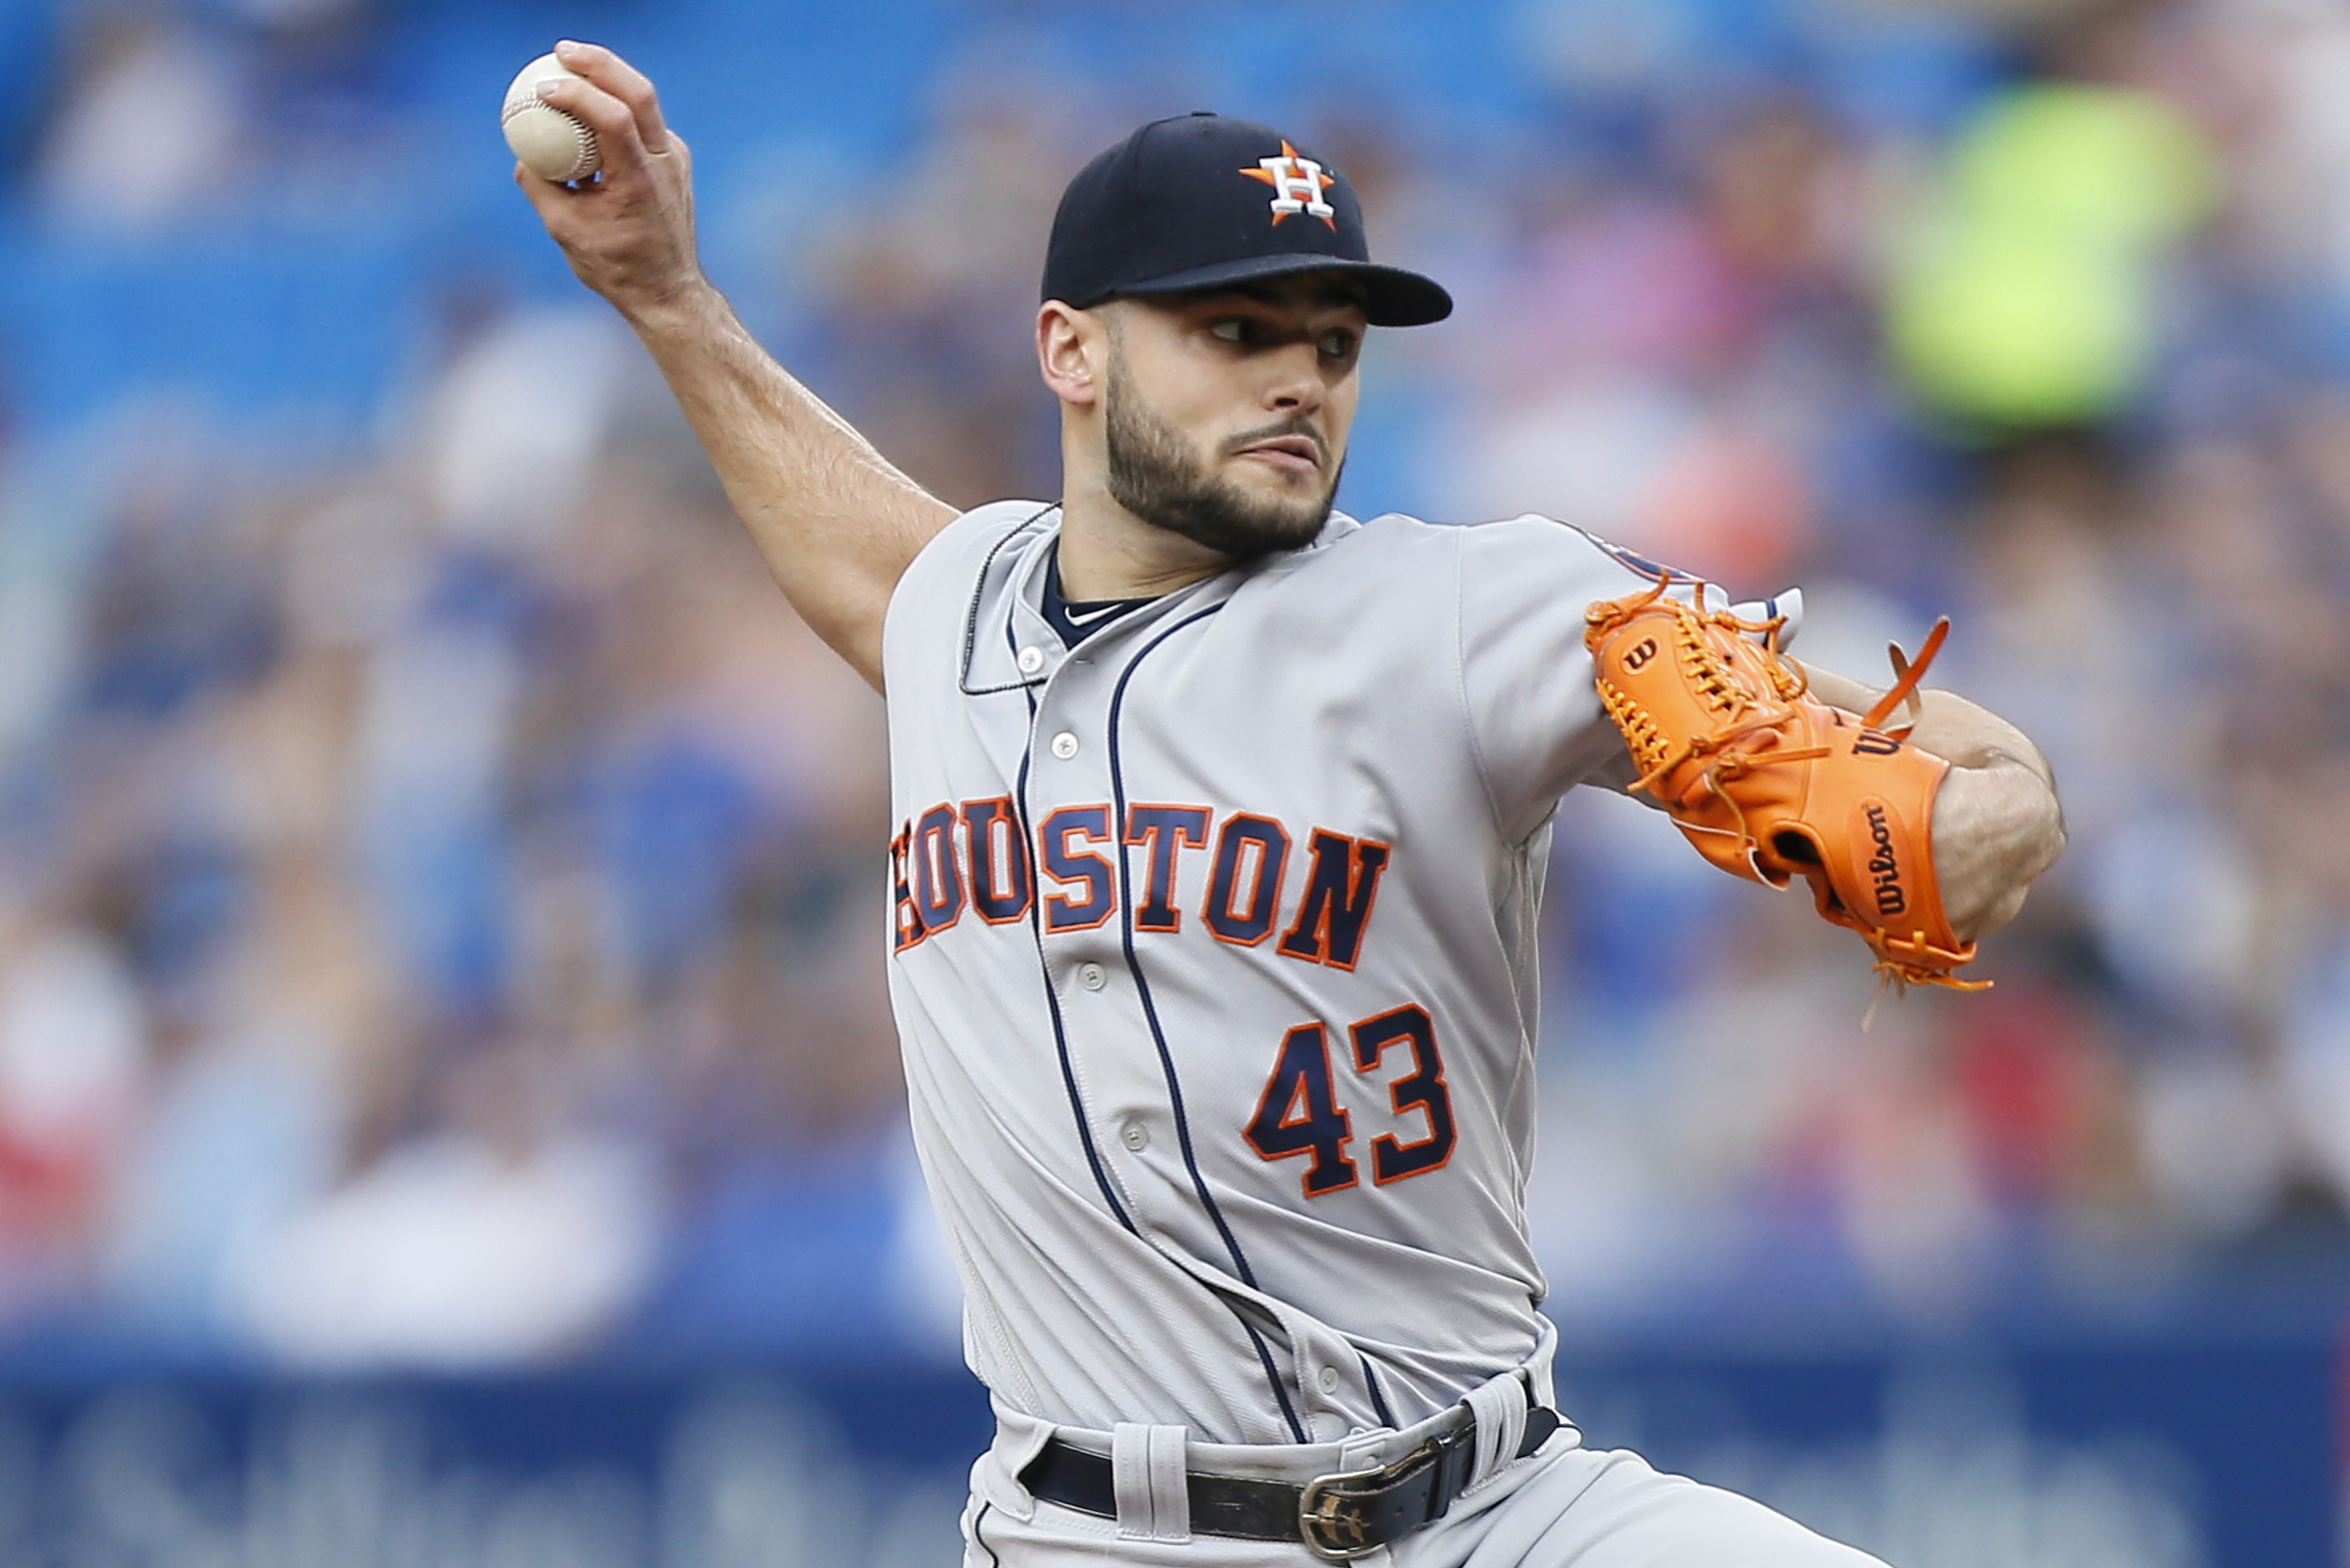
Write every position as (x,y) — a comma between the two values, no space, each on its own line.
(1226,414)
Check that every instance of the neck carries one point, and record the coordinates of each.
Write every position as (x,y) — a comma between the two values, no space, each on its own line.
(1109,553)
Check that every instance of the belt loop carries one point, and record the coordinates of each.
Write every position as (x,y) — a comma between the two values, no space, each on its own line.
(1539,1389)
(1170,1488)
(1499,1409)
(1148,1479)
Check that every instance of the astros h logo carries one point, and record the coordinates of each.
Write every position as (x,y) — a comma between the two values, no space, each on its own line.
(1298,184)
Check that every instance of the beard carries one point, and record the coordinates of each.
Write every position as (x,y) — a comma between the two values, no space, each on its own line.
(1155,475)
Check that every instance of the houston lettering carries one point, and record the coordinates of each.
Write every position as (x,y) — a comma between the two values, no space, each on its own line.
(1238,878)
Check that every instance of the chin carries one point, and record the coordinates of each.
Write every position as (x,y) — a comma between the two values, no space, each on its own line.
(1295,524)
(1281,499)
(1272,488)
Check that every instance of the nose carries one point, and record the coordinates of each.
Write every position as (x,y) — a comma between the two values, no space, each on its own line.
(1296,387)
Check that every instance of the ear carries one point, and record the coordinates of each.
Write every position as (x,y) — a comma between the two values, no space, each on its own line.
(1071,349)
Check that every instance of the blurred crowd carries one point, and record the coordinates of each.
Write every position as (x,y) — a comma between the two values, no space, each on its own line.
(439,879)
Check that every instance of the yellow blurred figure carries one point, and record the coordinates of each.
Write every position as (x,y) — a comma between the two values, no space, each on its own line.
(2026,298)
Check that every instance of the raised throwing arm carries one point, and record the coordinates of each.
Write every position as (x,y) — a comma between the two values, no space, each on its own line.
(837,523)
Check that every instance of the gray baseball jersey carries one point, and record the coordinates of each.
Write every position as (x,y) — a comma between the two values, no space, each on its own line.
(1214,963)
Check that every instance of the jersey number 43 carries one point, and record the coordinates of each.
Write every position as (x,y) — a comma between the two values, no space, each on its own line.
(1300,1111)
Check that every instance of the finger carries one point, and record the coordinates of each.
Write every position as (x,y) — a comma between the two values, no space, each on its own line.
(624,82)
(615,126)
(546,196)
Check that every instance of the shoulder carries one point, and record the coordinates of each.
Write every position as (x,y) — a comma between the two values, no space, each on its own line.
(945,573)
(966,542)
(1394,571)
(1506,566)
(1529,556)
(958,579)
(1531,539)
(1386,546)
(1537,567)
(1535,564)
(1530,536)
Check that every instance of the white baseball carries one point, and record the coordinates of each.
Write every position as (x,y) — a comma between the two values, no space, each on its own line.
(551,144)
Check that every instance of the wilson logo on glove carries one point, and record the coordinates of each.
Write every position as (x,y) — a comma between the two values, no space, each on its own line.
(1884,866)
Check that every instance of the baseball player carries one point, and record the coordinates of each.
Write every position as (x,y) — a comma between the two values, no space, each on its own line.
(1221,826)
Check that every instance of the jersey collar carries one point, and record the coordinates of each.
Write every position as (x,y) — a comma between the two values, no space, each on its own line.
(1006,616)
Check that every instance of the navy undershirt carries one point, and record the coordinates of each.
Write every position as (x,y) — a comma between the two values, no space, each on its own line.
(1078,619)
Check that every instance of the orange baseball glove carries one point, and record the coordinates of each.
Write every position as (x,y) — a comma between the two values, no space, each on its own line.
(1770,783)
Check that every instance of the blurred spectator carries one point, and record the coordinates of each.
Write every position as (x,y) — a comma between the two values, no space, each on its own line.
(151,127)
(73,1047)
(439,877)
(505,1238)
(2028,296)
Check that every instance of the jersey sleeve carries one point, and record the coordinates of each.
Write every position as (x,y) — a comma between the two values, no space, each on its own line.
(1533,713)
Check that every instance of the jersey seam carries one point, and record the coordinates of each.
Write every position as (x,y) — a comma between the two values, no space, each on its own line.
(1134,960)
(991,1327)
(1272,1375)
(1069,1072)
(1150,1008)
(1468,720)
(1371,1379)
(979,1541)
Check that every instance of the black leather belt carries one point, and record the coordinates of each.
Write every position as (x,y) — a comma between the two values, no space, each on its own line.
(1337,1516)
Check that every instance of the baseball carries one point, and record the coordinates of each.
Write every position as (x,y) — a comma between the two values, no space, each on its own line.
(551,144)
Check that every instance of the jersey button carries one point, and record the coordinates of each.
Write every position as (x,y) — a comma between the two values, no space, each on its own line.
(1064,745)
(1328,1379)
(1031,660)
(1135,1136)
(1092,977)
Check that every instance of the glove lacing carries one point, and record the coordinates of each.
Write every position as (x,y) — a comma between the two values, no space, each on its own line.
(1712,677)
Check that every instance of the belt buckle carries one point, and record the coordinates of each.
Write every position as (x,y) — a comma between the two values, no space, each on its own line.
(1335,1535)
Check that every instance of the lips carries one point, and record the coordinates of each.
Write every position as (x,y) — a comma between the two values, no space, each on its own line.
(1288,452)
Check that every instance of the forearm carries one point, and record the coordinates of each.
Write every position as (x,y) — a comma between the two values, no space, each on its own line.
(835,521)
(1964,734)
(1997,821)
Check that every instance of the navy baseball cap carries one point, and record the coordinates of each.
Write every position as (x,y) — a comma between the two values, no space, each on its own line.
(1202,200)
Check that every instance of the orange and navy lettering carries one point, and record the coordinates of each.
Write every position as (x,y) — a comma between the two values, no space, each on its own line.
(1246,889)
(975,853)
(1340,888)
(1072,869)
(1421,1089)
(1302,1112)
(903,916)
(1163,831)
(937,873)
(999,882)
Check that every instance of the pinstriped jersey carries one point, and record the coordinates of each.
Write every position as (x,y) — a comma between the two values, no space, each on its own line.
(1214,963)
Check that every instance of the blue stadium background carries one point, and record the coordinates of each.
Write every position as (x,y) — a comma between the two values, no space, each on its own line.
(448,1111)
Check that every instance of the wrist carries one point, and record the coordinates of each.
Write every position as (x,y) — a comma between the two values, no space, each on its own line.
(687,309)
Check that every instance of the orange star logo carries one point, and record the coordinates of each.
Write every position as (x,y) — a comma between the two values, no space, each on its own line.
(1298,184)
